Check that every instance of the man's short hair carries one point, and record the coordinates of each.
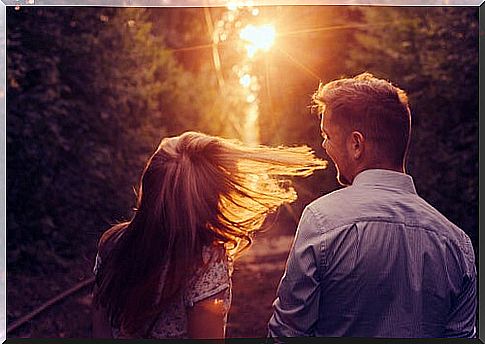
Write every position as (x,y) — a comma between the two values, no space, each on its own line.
(372,106)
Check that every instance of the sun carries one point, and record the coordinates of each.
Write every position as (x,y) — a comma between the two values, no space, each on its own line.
(258,38)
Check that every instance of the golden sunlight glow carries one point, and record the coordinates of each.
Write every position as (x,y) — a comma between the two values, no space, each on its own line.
(258,38)
(245,80)
(232,6)
(251,98)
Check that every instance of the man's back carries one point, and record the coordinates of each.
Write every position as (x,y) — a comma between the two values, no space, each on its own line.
(375,260)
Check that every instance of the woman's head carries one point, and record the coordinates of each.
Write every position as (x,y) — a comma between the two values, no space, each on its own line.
(195,190)
(202,187)
(179,190)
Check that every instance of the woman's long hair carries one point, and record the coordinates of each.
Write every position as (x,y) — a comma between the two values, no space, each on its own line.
(195,190)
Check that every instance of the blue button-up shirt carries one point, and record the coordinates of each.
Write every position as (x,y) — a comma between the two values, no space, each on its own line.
(376,260)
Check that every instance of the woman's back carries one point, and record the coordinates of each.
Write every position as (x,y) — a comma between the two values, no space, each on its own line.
(212,280)
(166,273)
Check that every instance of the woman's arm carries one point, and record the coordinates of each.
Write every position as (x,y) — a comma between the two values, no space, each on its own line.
(100,326)
(207,318)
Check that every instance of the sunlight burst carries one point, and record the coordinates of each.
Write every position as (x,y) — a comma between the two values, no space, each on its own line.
(258,38)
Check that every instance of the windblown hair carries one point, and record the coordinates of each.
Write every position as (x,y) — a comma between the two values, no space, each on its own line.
(372,106)
(195,190)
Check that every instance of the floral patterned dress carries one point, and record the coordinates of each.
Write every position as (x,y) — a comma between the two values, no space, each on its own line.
(214,278)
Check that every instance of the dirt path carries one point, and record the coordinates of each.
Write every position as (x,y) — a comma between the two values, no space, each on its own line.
(255,279)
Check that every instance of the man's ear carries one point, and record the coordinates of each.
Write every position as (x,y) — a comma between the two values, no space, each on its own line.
(356,144)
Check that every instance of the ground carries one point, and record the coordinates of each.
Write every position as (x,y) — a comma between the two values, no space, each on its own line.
(255,280)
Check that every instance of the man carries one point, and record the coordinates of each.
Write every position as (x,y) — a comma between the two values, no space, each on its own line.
(374,259)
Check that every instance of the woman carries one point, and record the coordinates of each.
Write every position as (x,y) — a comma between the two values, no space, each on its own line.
(166,272)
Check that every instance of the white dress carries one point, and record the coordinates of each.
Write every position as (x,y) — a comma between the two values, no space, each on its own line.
(207,282)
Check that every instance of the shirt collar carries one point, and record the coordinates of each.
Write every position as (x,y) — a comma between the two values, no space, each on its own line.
(380,177)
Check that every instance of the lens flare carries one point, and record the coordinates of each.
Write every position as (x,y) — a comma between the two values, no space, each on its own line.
(245,80)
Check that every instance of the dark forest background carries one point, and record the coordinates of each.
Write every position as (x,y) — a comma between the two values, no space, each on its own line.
(92,90)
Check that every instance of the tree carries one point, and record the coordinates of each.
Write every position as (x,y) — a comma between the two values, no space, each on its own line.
(91,91)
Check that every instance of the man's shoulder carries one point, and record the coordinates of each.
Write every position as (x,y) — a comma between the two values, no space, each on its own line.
(332,206)
(339,195)
(338,201)
(350,204)
(437,219)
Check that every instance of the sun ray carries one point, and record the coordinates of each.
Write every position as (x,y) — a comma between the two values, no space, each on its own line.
(340,27)
(296,32)
(301,65)
(269,99)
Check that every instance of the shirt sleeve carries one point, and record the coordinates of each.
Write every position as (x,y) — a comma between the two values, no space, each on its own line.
(296,308)
(462,319)
(212,279)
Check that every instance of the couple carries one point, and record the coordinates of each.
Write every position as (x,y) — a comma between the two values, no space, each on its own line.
(370,260)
